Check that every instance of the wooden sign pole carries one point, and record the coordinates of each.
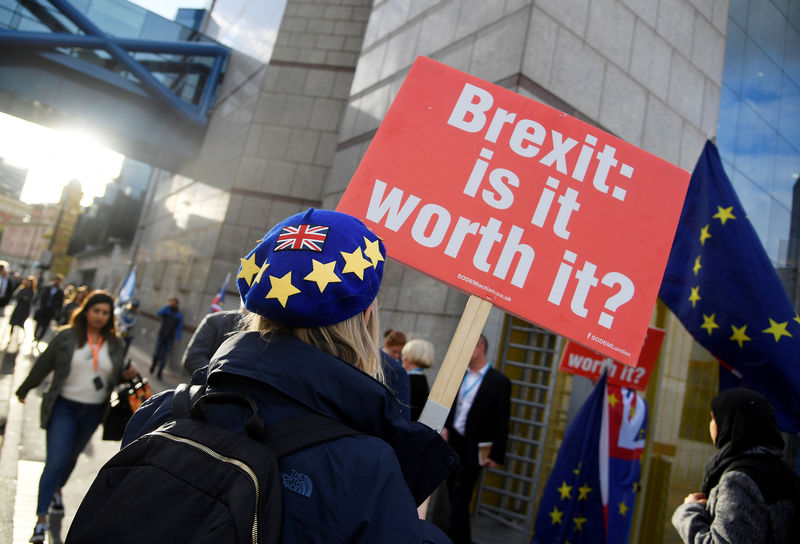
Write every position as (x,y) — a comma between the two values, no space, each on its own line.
(451,373)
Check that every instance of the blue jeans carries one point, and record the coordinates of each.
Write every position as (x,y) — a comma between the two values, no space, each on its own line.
(160,355)
(70,427)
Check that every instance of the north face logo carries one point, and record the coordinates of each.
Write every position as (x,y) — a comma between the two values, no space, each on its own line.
(297,482)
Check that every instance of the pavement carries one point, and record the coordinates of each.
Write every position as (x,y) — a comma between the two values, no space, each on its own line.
(22,441)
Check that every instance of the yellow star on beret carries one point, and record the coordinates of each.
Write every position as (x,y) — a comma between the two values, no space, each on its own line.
(282,288)
(355,263)
(323,274)
(249,269)
(373,252)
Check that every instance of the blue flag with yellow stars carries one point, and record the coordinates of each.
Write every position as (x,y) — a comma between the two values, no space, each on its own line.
(722,286)
(571,509)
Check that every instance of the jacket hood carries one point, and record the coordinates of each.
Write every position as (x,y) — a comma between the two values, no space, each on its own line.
(334,388)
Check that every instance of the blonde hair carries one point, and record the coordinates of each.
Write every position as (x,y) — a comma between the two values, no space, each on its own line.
(353,340)
(419,352)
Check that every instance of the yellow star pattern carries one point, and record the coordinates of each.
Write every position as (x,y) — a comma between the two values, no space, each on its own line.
(261,272)
(355,263)
(373,252)
(623,508)
(584,491)
(613,400)
(555,516)
(249,269)
(323,274)
(704,235)
(579,521)
(565,490)
(695,296)
(697,266)
(708,323)
(777,329)
(577,471)
(632,413)
(282,288)
(797,318)
(723,214)
(739,336)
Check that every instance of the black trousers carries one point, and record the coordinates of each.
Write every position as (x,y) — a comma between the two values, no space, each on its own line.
(461,486)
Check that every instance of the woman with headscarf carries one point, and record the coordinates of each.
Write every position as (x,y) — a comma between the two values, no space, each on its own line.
(309,287)
(749,494)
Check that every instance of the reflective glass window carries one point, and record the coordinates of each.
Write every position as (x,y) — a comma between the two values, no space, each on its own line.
(734,57)
(767,26)
(761,83)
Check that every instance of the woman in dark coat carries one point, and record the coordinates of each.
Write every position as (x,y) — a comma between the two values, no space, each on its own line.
(417,355)
(749,494)
(23,296)
(309,287)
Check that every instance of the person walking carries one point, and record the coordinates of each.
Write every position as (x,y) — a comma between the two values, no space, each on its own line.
(127,315)
(72,301)
(313,347)
(85,359)
(749,494)
(7,287)
(417,355)
(169,333)
(480,415)
(49,302)
(23,296)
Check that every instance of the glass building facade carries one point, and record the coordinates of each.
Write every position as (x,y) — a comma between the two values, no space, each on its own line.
(759,134)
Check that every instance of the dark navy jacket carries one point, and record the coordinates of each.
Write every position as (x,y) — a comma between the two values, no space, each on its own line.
(363,488)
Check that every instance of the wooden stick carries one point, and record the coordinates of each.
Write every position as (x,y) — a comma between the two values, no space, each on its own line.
(451,373)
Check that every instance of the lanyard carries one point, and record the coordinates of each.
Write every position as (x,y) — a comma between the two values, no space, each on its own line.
(95,350)
(476,382)
(415,371)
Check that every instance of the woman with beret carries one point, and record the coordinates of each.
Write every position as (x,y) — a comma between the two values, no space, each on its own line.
(86,361)
(309,287)
(749,494)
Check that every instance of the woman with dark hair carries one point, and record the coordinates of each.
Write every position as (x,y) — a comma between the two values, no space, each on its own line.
(86,361)
(749,494)
(24,296)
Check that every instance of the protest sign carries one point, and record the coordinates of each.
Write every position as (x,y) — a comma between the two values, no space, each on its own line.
(580,360)
(543,215)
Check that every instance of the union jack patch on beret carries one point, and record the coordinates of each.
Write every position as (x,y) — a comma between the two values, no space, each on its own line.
(302,237)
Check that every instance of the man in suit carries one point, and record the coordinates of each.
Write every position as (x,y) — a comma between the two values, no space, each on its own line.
(479,414)
(51,298)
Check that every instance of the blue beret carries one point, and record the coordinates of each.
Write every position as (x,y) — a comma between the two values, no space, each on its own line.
(313,269)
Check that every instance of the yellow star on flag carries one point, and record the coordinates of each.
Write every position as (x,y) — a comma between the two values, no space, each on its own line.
(577,471)
(723,214)
(739,336)
(697,266)
(623,508)
(695,296)
(584,491)
(282,288)
(323,274)
(261,272)
(579,521)
(565,490)
(555,516)
(632,413)
(708,323)
(777,329)
(355,263)
(613,400)
(704,235)
(373,252)
(249,269)
(797,318)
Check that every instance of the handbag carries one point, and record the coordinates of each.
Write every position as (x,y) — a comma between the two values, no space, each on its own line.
(125,400)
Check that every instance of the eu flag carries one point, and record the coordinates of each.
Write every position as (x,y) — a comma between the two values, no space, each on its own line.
(720,283)
(571,509)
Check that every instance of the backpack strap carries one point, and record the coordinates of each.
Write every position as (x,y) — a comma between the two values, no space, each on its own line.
(184,398)
(298,433)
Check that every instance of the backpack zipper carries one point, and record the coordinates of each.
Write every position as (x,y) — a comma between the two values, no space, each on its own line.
(229,460)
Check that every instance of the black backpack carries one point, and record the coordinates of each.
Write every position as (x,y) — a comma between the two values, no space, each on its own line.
(190,481)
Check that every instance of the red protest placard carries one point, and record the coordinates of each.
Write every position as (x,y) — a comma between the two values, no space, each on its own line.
(546,216)
(577,359)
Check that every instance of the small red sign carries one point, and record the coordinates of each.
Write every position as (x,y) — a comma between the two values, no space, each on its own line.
(582,361)
(546,216)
